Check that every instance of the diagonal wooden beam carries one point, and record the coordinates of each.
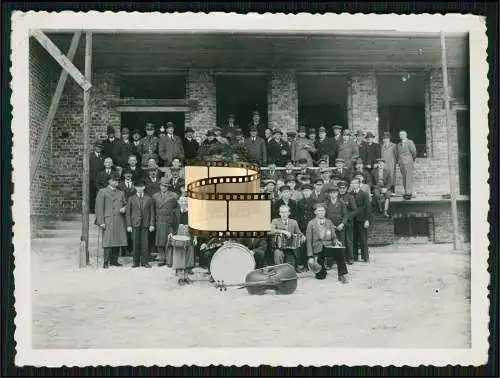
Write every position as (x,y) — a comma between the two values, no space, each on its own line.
(35,161)
(65,63)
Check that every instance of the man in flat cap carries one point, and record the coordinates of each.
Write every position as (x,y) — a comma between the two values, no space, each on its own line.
(318,193)
(109,211)
(351,208)
(170,145)
(340,172)
(255,147)
(285,199)
(96,165)
(190,144)
(388,153)
(256,122)
(325,146)
(369,152)
(347,149)
(304,147)
(111,146)
(278,151)
(149,144)
(406,154)
(167,219)
(382,183)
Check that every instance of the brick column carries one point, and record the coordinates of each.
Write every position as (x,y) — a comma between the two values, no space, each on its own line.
(283,100)
(364,103)
(106,90)
(200,87)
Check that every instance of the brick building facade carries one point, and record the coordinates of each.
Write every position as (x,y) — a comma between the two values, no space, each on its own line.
(57,186)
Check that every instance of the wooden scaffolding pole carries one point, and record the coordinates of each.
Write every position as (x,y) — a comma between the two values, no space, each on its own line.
(87,119)
(451,167)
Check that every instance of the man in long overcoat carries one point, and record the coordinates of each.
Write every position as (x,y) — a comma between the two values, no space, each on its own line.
(278,151)
(304,148)
(96,166)
(370,152)
(167,219)
(255,147)
(111,147)
(326,146)
(190,144)
(170,146)
(109,210)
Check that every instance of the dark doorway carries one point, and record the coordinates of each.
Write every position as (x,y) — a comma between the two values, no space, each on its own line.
(159,86)
(463,130)
(322,101)
(137,120)
(412,228)
(241,95)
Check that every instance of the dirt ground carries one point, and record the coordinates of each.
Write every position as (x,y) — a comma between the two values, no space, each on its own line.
(407,296)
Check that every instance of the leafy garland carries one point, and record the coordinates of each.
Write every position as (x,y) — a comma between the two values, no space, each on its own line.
(222,152)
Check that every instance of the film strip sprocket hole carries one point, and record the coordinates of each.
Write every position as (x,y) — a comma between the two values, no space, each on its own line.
(224,200)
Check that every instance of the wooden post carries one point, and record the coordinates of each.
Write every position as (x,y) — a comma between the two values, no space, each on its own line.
(87,119)
(53,108)
(451,167)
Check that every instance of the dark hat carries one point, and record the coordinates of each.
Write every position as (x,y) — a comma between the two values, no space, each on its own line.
(284,187)
(380,160)
(290,178)
(359,161)
(169,124)
(387,134)
(370,135)
(360,175)
(359,132)
(110,130)
(342,184)
(149,126)
(305,177)
(210,132)
(324,170)
(302,129)
(164,181)
(322,160)
(114,176)
(319,180)
(277,131)
(188,130)
(136,131)
(175,169)
(339,160)
(307,186)
(230,115)
(217,128)
(98,143)
(346,132)
(126,171)
(269,181)
(253,128)
(337,127)
(291,133)
(319,204)
(332,188)
(322,128)
(140,183)
(125,131)
(303,161)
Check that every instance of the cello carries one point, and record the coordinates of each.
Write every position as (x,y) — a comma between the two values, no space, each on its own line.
(281,278)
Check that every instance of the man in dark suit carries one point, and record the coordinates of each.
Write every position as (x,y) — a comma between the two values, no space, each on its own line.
(127,148)
(341,173)
(102,178)
(325,146)
(152,181)
(137,172)
(278,151)
(361,221)
(285,200)
(96,166)
(286,227)
(190,144)
(350,202)
(111,147)
(382,183)
(170,146)
(229,126)
(256,147)
(337,135)
(140,216)
(257,123)
(149,144)
(176,182)
(136,143)
(369,152)
(336,211)
(127,186)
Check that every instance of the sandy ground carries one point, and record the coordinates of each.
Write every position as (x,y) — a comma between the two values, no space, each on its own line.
(407,296)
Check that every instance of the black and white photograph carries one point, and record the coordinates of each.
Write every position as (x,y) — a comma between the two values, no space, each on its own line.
(363,138)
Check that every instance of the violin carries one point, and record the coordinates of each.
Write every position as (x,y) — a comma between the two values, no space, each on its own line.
(281,278)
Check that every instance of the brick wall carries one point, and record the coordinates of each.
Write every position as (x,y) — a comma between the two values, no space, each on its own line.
(363,103)
(67,132)
(200,86)
(41,92)
(283,100)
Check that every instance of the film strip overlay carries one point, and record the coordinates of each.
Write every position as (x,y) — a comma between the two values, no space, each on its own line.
(224,200)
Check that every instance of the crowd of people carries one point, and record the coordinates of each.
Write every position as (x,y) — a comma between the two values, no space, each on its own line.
(324,189)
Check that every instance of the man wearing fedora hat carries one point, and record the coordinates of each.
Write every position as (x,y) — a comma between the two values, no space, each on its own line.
(230,125)
(149,144)
(170,145)
(347,149)
(304,148)
(96,165)
(111,146)
(369,152)
(190,144)
(388,153)
(210,138)
(278,151)
(255,147)
(127,148)
(167,219)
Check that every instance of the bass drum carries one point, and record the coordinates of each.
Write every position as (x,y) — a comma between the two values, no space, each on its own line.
(231,263)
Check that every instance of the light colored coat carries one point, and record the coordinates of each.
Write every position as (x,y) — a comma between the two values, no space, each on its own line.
(301,152)
(314,242)
(168,148)
(166,214)
(107,211)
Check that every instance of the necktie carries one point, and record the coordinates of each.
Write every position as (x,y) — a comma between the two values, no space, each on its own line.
(108,172)
(253,139)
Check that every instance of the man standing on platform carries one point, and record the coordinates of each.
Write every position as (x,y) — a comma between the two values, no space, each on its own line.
(350,202)
(136,142)
(167,220)
(170,146)
(370,152)
(278,151)
(109,210)
(127,148)
(405,156)
(256,147)
(96,166)
(140,220)
(361,221)
(388,153)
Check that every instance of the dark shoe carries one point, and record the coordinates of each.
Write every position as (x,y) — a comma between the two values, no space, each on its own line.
(366,259)
(182,281)
(163,263)
(386,214)
(343,279)
(135,266)
(116,264)
(349,262)
(105,266)
(146,265)
(190,271)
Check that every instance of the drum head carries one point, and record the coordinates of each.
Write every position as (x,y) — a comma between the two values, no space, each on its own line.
(231,263)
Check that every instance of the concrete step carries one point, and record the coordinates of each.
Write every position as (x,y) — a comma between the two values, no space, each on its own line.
(63,225)
(59,233)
